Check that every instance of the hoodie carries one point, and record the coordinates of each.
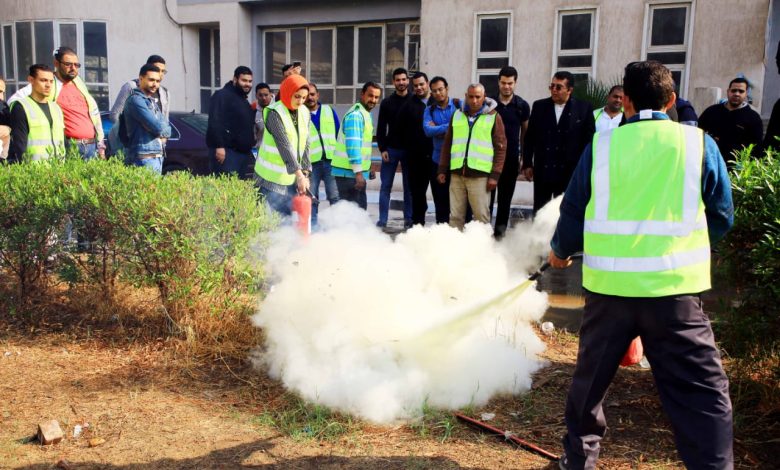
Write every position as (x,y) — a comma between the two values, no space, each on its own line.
(499,143)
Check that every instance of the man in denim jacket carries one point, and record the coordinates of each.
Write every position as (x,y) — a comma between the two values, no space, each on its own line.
(147,127)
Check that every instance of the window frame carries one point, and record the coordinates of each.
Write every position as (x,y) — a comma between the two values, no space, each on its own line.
(647,48)
(591,71)
(214,86)
(492,14)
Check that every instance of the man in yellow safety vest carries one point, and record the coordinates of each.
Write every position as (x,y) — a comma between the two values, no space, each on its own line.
(644,204)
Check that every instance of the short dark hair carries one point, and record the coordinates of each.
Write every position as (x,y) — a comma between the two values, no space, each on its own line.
(287,67)
(35,68)
(368,85)
(563,75)
(740,80)
(242,70)
(155,59)
(419,75)
(440,79)
(648,84)
(148,68)
(315,86)
(262,85)
(615,87)
(399,71)
(508,71)
(62,51)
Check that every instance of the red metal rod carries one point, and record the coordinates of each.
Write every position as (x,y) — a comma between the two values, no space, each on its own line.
(503,434)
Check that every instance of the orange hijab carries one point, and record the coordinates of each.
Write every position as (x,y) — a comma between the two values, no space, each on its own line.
(289,86)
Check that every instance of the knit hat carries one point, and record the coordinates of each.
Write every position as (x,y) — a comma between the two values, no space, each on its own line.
(289,86)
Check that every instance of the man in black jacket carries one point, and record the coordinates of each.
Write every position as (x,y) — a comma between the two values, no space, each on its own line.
(418,146)
(231,134)
(558,130)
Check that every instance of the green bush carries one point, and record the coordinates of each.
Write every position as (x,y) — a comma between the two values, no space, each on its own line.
(188,237)
(752,255)
(594,91)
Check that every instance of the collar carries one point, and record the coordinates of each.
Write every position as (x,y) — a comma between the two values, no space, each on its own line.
(652,116)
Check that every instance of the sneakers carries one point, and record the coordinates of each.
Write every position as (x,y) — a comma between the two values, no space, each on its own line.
(381,224)
(563,463)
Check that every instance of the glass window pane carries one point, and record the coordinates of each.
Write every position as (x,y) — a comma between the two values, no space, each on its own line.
(677,76)
(100,93)
(413,53)
(395,35)
(575,31)
(95,68)
(217,76)
(298,48)
(321,56)
(490,82)
(275,55)
(345,51)
(24,53)
(667,57)
(345,96)
(68,36)
(8,52)
(370,55)
(326,95)
(205,97)
(44,41)
(568,61)
(493,35)
(204,56)
(668,26)
(492,63)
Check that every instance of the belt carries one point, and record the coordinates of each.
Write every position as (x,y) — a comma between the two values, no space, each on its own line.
(83,141)
(149,155)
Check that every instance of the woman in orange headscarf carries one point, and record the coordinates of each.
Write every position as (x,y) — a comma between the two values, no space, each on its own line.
(283,164)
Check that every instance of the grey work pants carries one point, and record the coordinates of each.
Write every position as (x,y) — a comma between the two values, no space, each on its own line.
(686,366)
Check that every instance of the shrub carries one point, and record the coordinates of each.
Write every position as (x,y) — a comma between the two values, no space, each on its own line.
(594,91)
(752,255)
(190,238)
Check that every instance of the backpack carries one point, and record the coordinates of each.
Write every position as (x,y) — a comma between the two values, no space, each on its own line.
(124,136)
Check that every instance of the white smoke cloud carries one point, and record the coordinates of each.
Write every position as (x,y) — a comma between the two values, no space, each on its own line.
(375,327)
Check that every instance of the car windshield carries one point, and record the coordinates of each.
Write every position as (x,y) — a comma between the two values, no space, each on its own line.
(199,122)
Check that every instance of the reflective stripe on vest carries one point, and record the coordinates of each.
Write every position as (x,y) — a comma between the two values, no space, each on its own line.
(340,158)
(44,140)
(597,114)
(645,228)
(270,166)
(326,135)
(94,111)
(472,144)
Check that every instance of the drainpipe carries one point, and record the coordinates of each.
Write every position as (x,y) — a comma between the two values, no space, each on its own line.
(168,6)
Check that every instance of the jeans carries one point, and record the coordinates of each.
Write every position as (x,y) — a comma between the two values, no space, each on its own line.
(235,163)
(387,175)
(465,192)
(154,164)
(87,151)
(441,196)
(503,194)
(321,172)
(281,203)
(347,191)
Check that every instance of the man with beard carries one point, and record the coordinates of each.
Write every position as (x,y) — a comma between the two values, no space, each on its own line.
(231,133)
(147,127)
(83,127)
(610,116)
(418,146)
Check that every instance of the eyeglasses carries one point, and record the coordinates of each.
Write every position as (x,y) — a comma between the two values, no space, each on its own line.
(557,86)
(71,64)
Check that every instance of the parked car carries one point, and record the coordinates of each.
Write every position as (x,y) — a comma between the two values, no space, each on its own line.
(186,148)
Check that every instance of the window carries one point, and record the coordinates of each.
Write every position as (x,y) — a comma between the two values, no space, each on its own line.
(25,43)
(575,42)
(493,48)
(667,38)
(340,58)
(208,53)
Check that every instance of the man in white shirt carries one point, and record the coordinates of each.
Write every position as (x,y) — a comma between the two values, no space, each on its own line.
(609,116)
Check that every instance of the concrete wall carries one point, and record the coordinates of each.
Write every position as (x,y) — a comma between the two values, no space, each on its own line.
(772,75)
(726,40)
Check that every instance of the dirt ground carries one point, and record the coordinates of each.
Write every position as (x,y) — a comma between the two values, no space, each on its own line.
(156,411)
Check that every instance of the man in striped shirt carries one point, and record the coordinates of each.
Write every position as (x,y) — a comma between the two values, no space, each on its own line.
(352,160)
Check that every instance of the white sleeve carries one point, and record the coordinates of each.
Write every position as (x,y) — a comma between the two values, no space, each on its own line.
(21,93)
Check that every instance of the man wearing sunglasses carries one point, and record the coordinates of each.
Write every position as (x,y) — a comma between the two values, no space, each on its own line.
(83,127)
(558,130)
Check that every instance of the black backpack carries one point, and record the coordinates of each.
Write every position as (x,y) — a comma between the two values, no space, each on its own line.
(124,136)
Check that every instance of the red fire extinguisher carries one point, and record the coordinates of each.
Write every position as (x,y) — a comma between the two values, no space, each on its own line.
(301,206)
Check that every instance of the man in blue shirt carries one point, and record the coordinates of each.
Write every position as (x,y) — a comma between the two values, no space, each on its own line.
(652,254)
(436,120)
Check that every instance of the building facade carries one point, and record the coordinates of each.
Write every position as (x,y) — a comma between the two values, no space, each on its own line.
(343,43)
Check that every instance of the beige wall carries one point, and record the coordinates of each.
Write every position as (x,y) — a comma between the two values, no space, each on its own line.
(726,40)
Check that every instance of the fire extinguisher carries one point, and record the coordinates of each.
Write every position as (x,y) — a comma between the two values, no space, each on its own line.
(301,206)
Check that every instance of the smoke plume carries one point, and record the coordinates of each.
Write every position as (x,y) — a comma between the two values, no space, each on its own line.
(377,327)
